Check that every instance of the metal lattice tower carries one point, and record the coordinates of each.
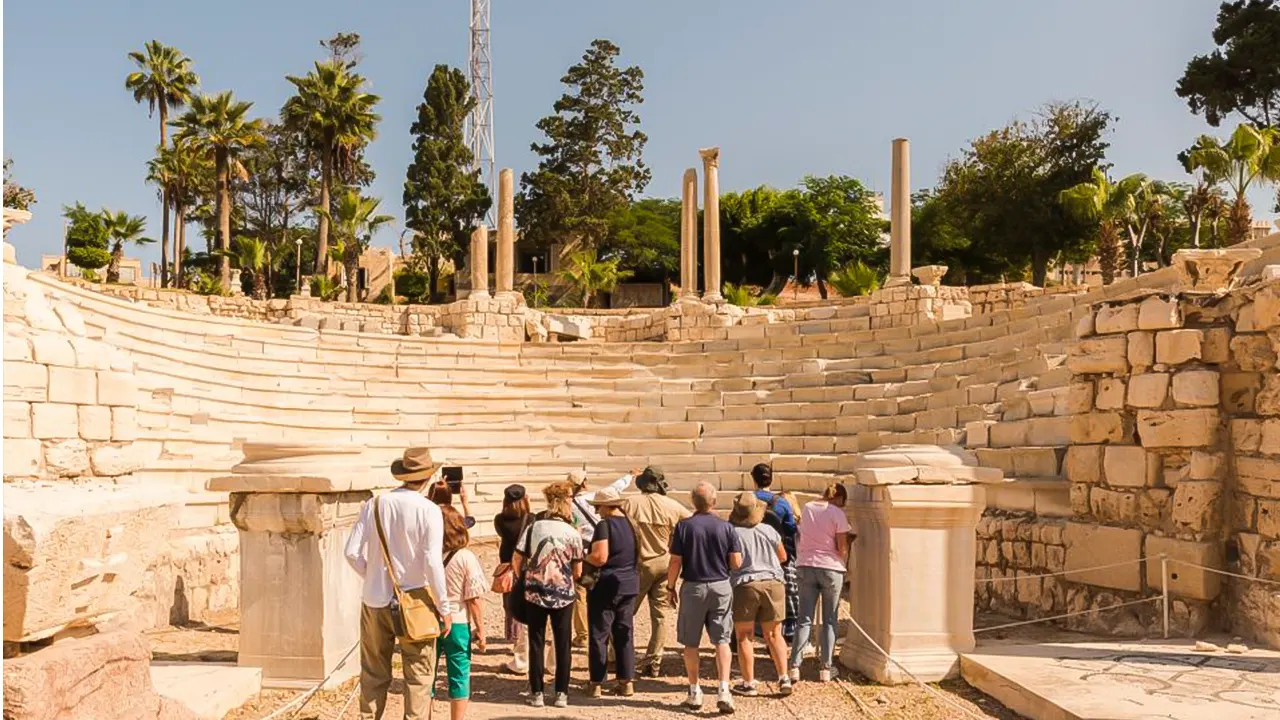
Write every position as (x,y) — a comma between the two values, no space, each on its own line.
(479,125)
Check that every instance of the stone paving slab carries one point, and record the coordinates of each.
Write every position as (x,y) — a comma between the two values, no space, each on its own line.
(211,690)
(1127,680)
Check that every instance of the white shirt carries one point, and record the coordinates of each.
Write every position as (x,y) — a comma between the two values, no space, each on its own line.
(585,516)
(414,528)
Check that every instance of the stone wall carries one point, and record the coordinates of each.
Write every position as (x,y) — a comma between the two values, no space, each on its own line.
(1008,296)
(1011,548)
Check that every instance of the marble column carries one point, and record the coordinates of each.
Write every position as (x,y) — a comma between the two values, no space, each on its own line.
(689,234)
(711,223)
(294,506)
(900,216)
(480,262)
(505,281)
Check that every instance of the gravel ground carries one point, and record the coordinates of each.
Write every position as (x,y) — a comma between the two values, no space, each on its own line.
(499,696)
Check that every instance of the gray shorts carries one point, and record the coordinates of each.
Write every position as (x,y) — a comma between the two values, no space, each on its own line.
(705,605)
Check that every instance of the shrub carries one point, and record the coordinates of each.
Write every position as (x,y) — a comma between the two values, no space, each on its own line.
(855,279)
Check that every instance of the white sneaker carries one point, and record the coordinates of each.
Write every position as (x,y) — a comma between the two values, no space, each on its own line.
(694,701)
(536,700)
(724,702)
(794,674)
(824,675)
(562,700)
(784,685)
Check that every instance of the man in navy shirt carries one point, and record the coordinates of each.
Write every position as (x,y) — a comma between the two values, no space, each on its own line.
(780,516)
(704,549)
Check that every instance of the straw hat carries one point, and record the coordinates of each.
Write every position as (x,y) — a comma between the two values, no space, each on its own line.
(748,510)
(577,478)
(607,497)
(415,466)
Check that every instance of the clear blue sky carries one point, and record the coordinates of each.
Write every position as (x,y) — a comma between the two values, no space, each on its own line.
(785,88)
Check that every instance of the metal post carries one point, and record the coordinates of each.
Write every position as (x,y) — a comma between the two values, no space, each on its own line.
(297,283)
(1164,591)
(795,286)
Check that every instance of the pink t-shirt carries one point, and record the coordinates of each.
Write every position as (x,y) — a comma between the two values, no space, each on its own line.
(465,580)
(820,524)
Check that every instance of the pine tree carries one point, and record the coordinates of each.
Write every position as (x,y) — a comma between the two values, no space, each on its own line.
(591,165)
(443,193)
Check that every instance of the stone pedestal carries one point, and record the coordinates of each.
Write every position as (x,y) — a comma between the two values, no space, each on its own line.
(689,234)
(916,508)
(505,260)
(711,224)
(480,262)
(299,599)
(900,216)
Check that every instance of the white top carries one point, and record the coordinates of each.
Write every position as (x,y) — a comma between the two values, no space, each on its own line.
(414,528)
(585,516)
(466,580)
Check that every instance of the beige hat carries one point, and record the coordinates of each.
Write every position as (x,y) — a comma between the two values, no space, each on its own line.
(748,510)
(577,478)
(415,466)
(607,497)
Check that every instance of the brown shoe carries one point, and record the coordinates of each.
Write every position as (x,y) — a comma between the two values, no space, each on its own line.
(593,690)
(626,688)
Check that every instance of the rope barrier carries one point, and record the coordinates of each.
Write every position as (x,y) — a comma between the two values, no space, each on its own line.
(1061,572)
(1067,615)
(302,700)
(350,699)
(929,688)
(1225,572)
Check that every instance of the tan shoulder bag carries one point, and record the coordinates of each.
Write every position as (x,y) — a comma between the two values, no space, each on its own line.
(413,612)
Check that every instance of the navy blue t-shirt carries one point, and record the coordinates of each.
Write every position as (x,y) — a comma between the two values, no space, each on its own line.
(619,572)
(703,543)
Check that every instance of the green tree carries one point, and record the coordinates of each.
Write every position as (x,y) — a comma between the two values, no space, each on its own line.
(1201,199)
(1114,207)
(273,189)
(1243,74)
(16,196)
(354,219)
(645,237)
(164,80)
(1002,192)
(217,124)
(1249,156)
(337,115)
(591,164)
(178,171)
(748,238)
(251,254)
(444,196)
(122,228)
(936,239)
(854,279)
(833,222)
(590,275)
(88,237)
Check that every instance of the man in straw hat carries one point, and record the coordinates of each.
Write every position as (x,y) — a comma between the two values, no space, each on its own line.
(704,549)
(758,592)
(655,517)
(414,528)
(585,519)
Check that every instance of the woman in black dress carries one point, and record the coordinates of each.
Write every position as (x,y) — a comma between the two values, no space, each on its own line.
(510,525)
(611,601)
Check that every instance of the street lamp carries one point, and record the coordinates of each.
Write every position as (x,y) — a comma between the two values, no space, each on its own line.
(795,287)
(297,283)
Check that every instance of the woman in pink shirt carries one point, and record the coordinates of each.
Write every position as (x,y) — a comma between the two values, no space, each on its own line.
(822,556)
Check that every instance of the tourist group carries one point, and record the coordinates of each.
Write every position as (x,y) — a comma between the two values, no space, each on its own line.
(582,567)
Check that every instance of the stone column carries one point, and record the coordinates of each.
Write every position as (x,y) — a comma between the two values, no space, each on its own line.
(689,234)
(900,216)
(480,262)
(505,281)
(294,506)
(916,510)
(711,223)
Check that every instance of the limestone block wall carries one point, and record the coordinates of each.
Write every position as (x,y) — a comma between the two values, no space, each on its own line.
(1007,296)
(1250,393)
(1011,548)
(916,304)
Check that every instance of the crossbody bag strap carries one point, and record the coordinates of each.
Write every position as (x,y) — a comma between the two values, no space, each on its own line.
(585,514)
(382,540)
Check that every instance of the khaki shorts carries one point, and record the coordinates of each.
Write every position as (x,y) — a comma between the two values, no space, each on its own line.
(759,601)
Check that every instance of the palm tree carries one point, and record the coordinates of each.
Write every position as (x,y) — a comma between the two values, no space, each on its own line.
(1250,155)
(180,170)
(855,279)
(1113,206)
(122,228)
(589,275)
(337,115)
(164,80)
(217,125)
(251,254)
(354,221)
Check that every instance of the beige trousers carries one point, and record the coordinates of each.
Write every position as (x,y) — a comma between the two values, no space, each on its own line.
(377,645)
(653,585)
